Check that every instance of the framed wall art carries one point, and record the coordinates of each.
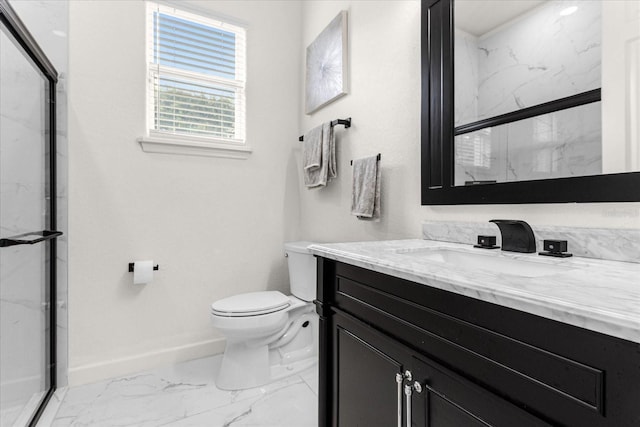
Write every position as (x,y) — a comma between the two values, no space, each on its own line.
(326,76)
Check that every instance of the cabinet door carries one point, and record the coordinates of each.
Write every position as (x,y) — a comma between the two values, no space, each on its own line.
(448,400)
(366,393)
(366,390)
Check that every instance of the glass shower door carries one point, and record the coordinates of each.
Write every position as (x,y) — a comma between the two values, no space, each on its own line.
(26,241)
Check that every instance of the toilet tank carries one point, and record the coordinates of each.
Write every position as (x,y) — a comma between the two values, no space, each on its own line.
(302,270)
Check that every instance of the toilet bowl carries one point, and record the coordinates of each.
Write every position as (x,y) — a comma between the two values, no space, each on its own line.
(269,335)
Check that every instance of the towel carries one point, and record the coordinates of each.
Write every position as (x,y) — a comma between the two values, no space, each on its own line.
(312,148)
(365,196)
(327,132)
(318,175)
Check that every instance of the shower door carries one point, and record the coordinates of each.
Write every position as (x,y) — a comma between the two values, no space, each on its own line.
(27,224)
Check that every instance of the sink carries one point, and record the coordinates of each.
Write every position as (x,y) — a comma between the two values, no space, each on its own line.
(493,262)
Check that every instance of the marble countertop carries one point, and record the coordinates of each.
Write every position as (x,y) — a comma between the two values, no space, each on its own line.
(599,295)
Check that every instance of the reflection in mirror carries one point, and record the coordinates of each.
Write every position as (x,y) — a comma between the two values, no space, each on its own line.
(559,144)
(527,85)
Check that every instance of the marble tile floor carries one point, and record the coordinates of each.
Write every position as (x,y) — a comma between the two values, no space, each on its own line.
(185,395)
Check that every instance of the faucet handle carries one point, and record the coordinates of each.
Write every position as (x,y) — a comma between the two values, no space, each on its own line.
(556,248)
(486,242)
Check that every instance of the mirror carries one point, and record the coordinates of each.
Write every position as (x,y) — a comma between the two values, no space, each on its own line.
(530,101)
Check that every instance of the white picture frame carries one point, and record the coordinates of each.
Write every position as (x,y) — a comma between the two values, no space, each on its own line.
(326,65)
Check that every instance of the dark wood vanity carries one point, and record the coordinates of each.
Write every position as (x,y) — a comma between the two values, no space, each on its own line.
(399,353)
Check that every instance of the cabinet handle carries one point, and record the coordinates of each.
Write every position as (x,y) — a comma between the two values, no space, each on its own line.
(399,380)
(408,390)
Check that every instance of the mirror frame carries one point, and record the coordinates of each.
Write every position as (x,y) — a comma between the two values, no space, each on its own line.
(437,124)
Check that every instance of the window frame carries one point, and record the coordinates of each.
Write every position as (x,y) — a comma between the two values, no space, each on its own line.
(159,141)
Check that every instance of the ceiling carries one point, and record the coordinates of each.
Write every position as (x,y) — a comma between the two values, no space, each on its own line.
(478,17)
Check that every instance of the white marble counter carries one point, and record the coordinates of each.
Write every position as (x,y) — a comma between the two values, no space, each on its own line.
(599,295)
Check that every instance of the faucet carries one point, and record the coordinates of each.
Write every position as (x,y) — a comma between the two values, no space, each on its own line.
(517,236)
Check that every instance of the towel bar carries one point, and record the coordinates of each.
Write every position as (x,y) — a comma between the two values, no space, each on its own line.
(378,157)
(345,122)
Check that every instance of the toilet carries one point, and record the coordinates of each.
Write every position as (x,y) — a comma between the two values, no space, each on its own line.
(270,335)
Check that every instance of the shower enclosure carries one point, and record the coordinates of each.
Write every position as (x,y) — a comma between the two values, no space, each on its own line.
(27,224)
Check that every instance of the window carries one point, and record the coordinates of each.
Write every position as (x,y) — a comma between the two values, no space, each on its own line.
(196,83)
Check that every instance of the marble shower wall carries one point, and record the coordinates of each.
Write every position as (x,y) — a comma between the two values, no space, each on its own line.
(466,77)
(560,144)
(48,23)
(22,209)
(539,57)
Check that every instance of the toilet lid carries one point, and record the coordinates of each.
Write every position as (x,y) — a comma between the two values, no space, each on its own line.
(250,304)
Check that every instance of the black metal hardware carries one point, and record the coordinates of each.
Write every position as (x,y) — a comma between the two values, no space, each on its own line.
(555,248)
(486,242)
(536,110)
(131,265)
(378,157)
(23,239)
(517,236)
(345,122)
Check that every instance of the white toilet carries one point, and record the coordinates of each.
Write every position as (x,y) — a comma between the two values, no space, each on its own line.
(270,335)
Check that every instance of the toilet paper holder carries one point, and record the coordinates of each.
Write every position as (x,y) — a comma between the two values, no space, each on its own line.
(155,267)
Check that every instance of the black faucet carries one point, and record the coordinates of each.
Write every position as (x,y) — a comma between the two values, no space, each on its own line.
(517,236)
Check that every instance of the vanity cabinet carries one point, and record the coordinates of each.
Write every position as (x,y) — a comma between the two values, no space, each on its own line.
(379,382)
(399,353)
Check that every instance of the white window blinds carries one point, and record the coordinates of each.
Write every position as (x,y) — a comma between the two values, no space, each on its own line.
(196,76)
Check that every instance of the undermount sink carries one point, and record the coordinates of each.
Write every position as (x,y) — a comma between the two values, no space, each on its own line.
(493,262)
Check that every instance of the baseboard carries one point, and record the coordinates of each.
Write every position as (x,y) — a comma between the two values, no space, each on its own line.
(18,390)
(128,365)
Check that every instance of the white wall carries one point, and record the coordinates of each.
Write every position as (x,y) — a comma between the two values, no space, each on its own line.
(195,216)
(216,226)
(621,85)
(384,102)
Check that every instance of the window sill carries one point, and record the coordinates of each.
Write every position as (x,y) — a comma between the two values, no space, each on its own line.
(192,147)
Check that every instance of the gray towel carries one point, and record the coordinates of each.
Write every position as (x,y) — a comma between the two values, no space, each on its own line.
(320,175)
(365,197)
(312,148)
(330,139)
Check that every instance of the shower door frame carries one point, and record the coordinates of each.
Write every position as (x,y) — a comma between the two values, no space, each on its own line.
(19,31)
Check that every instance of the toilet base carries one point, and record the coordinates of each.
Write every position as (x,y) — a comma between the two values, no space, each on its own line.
(245,366)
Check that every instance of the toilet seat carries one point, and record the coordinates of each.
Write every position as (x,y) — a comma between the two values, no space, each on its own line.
(251,304)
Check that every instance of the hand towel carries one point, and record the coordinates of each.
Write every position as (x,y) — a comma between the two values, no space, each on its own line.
(330,139)
(318,176)
(312,148)
(365,196)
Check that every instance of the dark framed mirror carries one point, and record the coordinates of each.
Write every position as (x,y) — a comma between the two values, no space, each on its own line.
(525,102)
